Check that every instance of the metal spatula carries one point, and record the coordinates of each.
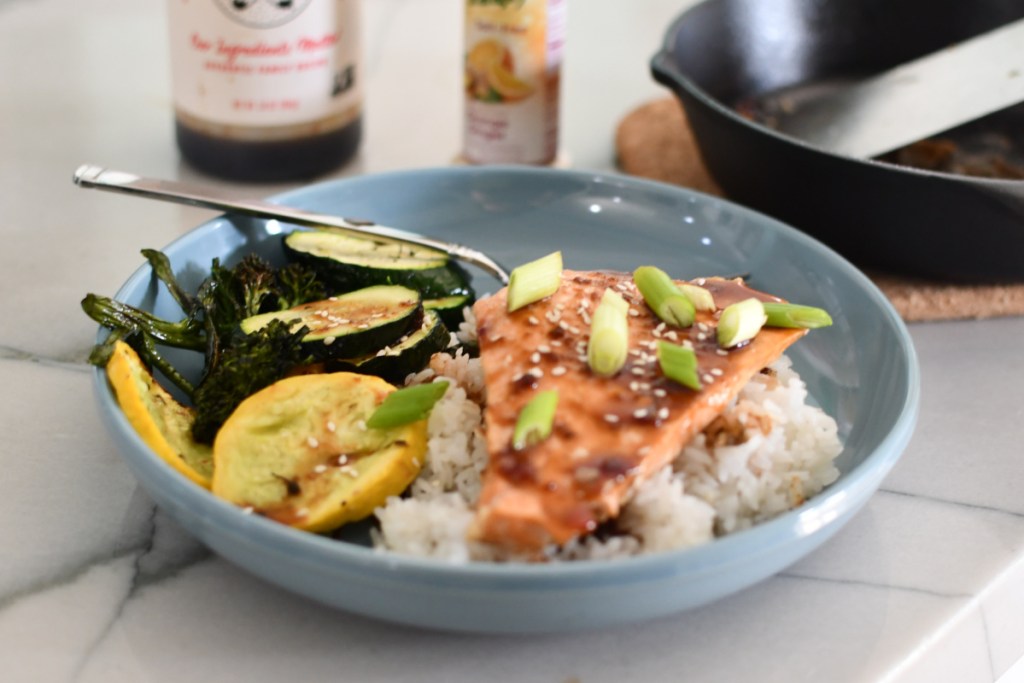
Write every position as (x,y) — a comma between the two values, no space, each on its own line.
(918,99)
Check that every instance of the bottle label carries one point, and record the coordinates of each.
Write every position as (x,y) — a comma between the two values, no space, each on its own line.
(244,65)
(513,62)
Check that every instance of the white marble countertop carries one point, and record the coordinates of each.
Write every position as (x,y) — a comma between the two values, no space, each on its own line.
(926,584)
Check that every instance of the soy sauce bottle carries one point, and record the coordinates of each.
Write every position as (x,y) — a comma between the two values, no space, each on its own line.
(266,90)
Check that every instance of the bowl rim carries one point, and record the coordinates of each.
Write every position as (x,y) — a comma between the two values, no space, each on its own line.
(790,527)
(665,70)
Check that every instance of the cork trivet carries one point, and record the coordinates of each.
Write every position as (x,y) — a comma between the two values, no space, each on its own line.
(655,141)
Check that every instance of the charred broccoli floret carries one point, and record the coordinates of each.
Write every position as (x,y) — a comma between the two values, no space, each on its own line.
(211,316)
(247,364)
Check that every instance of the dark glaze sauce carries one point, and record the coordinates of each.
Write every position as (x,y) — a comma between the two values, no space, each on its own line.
(637,396)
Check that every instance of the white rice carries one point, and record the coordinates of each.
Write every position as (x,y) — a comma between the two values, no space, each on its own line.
(708,490)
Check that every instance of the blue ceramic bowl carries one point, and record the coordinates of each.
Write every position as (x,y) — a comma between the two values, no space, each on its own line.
(862,370)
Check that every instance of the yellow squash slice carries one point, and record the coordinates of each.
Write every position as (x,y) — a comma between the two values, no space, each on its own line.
(163,423)
(299,451)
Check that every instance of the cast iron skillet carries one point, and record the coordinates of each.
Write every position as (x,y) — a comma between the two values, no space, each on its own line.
(878,215)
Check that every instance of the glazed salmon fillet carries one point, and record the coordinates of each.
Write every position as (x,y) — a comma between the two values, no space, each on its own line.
(609,433)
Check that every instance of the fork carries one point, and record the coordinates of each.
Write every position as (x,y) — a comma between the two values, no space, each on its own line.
(100,178)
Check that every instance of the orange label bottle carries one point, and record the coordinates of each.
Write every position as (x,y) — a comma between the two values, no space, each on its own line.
(513,64)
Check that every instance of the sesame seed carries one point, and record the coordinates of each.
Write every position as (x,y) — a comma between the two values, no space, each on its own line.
(532,320)
(637,370)
(495,337)
(320,469)
(536,372)
(671,334)
(663,414)
(634,386)
(363,326)
(535,357)
(558,371)
(721,352)
(328,341)
(544,348)
(313,443)
(708,379)
(660,327)
(660,393)
(633,312)
(703,327)
(717,372)
(611,418)
(640,413)
(342,459)
(701,336)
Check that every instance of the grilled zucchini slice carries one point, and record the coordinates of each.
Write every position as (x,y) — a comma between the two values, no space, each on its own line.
(163,423)
(450,308)
(351,324)
(300,453)
(409,354)
(346,263)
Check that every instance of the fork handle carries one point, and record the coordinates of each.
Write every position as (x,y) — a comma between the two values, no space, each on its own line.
(193,195)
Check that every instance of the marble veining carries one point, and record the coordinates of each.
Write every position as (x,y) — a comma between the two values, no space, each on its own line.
(925,584)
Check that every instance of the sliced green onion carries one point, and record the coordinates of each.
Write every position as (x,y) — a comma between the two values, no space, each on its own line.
(795,315)
(534,280)
(740,322)
(663,296)
(410,404)
(679,364)
(701,298)
(609,335)
(535,420)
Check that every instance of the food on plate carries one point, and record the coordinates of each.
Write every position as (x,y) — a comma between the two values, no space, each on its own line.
(345,263)
(301,451)
(348,325)
(163,423)
(614,427)
(606,414)
(398,359)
